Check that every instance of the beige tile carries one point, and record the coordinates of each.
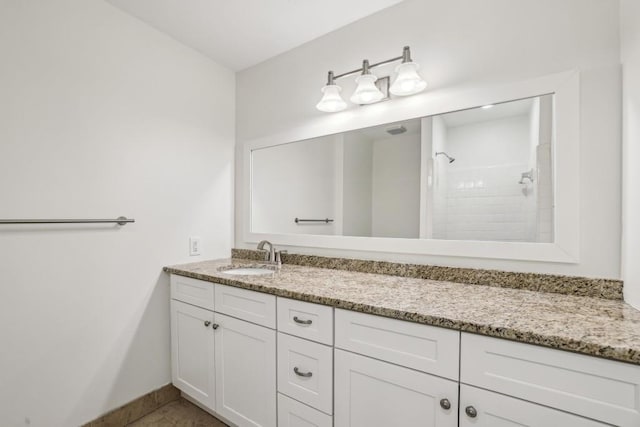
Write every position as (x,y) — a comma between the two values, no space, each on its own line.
(167,394)
(137,408)
(179,413)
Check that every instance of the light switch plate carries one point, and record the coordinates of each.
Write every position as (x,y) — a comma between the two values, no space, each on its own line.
(194,246)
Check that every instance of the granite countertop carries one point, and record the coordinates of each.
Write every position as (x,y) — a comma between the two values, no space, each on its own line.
(587,325)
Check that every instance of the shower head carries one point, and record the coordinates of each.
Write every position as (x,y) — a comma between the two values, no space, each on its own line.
(451,159)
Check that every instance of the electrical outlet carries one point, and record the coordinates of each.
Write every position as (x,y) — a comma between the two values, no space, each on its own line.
(194,246)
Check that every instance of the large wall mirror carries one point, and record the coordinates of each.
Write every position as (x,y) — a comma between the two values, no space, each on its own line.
(480,174)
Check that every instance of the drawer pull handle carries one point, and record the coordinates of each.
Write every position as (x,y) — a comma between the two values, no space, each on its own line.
(445,404)
(207,323)
(302,322)
(471,411)
(215,326)
(302,374)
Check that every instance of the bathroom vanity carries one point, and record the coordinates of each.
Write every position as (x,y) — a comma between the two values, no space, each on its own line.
(306,346)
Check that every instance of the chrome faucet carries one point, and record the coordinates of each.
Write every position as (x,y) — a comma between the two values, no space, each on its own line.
(270,254)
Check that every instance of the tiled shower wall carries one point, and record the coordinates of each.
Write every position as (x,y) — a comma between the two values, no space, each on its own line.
(480,196)
(487,204)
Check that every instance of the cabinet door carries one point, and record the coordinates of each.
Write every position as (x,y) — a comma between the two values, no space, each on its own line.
(245,372)
(488,409)
(192,352)
(372,393)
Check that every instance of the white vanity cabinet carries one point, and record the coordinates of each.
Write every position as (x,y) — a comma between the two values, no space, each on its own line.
(371,392)
(482,408)
(305,364)
(392,372)
(225,363)
(259,360)
(588,387)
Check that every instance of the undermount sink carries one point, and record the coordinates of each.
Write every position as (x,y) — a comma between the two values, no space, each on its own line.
(249,271)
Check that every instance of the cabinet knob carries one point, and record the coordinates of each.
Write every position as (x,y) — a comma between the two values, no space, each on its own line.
(302,322)
(445,404)
(207,323)
(471,411)
(215,326)
(302,374)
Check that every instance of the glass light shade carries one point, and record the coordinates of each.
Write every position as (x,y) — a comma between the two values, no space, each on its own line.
(331,101)
(366,92)
(408,81)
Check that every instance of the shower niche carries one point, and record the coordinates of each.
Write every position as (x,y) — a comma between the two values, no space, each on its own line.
(479,174)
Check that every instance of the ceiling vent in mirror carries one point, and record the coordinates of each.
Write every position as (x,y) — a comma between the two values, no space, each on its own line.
(407,82)
(396,130)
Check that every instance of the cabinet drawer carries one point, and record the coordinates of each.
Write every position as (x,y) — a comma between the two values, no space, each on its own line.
(247,305)
(372,393)
(596,388)
(306,320)
(292,413)
(305,372)
(493,409)
(422,347)
(192,291)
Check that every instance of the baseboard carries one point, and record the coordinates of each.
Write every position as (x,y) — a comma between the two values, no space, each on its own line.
(137,408)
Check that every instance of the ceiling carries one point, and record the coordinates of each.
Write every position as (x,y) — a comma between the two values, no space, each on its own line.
(241,33)
(498,111)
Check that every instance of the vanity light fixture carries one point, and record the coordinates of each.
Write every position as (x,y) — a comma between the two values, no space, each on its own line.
(407,82)
(331,101)
(367,92)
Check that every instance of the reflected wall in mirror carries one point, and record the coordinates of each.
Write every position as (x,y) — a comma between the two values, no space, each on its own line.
(480,174)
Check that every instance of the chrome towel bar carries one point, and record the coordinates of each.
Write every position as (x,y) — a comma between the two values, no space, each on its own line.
(326,220)
(121,220)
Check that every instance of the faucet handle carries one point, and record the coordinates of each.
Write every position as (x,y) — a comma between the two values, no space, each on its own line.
(279,256)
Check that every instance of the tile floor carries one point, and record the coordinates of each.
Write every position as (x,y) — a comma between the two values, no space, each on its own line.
(179,413)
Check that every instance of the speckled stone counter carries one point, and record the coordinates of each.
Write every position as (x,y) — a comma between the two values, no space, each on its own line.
(568,285)
(588,325)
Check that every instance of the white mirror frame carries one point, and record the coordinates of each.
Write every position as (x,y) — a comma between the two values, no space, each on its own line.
(564,249)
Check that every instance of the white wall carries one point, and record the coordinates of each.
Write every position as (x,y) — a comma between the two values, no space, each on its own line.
(395,200)
(296,181)
(100,116)
(357,176)
(630,37)
(572,34)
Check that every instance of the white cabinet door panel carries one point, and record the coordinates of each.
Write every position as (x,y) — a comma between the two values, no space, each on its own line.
(254,307)
(425,348)
(192,291)
(497,410)
(372,393)
(306,320)
(245,372)
(192,352)
(292,413)
(597,388)
(305,371)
